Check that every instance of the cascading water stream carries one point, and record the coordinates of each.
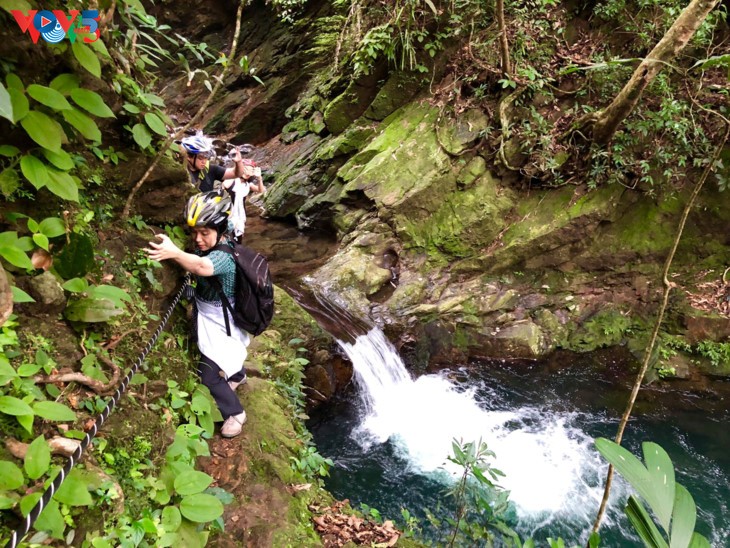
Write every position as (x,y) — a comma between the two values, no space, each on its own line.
(551,469)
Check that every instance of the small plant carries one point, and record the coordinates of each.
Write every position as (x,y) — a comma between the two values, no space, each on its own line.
(311,464)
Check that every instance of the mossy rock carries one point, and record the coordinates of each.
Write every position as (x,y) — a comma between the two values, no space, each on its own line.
(398,90)
(457,135)
(350,104)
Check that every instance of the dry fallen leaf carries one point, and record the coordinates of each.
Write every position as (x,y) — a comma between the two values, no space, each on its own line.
(41,259)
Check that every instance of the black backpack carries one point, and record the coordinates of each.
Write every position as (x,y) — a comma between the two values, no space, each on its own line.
(254,306)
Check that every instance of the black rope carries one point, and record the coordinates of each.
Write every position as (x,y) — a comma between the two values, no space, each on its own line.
(30,519)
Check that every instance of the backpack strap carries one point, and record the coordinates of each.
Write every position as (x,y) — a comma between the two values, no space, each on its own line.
(216,283)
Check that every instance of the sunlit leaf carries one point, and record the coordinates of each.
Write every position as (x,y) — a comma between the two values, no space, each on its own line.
(64,83)
(21,106)
(9,151)
(52,227)
(41,240)
(91,310)
(141,135)
(91,102)
(11,477)
(38,458)
(83,124)
(53,411)
(15,256)
(48,97)
(6,104)
(86,58)
(13,406)
(61,159)
(20,296)
(155,124)
(43,130)
(51,520)
(115,294)
(62,185)
(73,490)
(34,170)
(76,285)
(171,518)
(192,482)
(132,109)
(201,508)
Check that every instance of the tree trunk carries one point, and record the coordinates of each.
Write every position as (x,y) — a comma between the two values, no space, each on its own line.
(608,120)
(6,297)
(503,44)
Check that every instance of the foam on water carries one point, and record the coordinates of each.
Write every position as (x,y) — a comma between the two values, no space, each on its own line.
(550,466)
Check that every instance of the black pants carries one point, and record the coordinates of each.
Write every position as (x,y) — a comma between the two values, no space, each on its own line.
(212,377)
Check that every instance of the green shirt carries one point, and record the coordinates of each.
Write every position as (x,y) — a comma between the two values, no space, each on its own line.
(224,267)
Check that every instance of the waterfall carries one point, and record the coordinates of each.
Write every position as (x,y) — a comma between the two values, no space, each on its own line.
(552,471)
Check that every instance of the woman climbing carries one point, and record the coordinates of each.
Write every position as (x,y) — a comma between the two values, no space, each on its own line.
(221,354)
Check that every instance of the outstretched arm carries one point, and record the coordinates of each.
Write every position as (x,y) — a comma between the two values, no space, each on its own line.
(166,249)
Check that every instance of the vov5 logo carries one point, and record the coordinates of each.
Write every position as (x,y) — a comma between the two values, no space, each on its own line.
(55,25)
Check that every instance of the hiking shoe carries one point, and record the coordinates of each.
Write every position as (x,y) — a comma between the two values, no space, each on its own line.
(236,384)
(233,424)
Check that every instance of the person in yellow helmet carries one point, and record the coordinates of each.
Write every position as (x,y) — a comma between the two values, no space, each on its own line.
(222,345)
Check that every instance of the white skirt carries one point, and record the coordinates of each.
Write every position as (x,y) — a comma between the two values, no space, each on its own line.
(228,352)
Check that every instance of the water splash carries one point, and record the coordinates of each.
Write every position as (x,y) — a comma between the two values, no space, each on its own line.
(551,469)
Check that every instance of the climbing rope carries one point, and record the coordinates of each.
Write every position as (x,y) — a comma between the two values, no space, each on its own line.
(32,516)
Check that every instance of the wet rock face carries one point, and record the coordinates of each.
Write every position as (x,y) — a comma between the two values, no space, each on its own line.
(163,195)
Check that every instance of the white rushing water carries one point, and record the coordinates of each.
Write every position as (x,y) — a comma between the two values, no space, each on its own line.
(551,468)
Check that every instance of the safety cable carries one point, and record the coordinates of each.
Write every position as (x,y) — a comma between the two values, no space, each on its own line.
(21,531)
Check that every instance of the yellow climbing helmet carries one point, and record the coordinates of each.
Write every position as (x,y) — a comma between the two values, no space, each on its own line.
(209,209)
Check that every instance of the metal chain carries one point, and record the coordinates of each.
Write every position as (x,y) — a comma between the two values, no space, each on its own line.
(21,531)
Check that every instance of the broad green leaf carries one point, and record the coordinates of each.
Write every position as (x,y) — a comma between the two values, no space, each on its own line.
(684,516)
(15,256)
(28,502)
(20,296)
(73,490)
(86,58)
(628,466)
(8,500)
(62,185)
(6,104)
(52,227)
(49,97)
(41,240)
(10,5)
(76,257)
(26,421)
(61,159)
(192,482)
(9,151)
(83,124)
(91,310)
(13,406)
(14,82)
(698,541)
(171,518)
(91,102)
(661,475)
(188,535)
(28,369)
(200,404)
(99,47)
(51,520)
(715,61)
(76,285)
(132,109)
(34,170)
(141,135)
(53,411)
(38,458)
(114,294)
(11,477)
(43,130)
(201,508)
(154,99)
(9,181)
(21,106)
(6,370)
(64,83)
(643,524)
(155,124)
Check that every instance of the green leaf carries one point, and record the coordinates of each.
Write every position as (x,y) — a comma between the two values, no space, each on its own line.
(132,109)
(6,104)
(14,82)
(28,369)
(62,185)
(53,411)
(155,124)
(8,500)
(661,475)
(43,130)
(21,106)
(51,520)
(91,310)
(11,477)
(91,102)
(76,285)
(64,83)
(9,181)
(20,296)
(171,518)
(627,465)
(49,97)
(698,541)
(15,257)
(60,159)
(115,294)
(26,421)
(34,170)
(86,58)
(41,240)
(13,406)
(52,227)
(73,490)
(191,483)
(28,502)
(76,257)
(38,458)
(9,151)
(9,5)
(154,99)
(643,524)
(83,124)
(141,135)
(201,508)
(684,516)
